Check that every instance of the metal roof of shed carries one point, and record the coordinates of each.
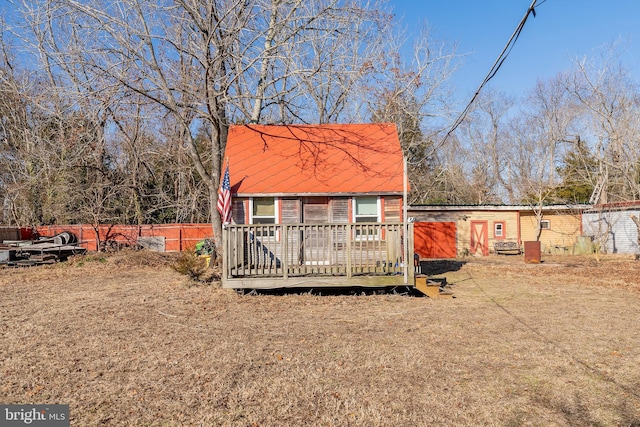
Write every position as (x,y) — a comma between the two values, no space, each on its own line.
(315,159)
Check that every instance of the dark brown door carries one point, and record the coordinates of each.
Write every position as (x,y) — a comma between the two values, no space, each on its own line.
(315,210)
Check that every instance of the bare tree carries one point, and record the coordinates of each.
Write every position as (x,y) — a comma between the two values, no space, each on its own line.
(488,146)
(206,64)
(413,93)
(610,113)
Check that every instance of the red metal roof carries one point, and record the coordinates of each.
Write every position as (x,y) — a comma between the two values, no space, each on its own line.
(315,159)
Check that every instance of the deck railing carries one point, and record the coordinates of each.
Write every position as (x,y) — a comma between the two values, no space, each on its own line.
(296,250)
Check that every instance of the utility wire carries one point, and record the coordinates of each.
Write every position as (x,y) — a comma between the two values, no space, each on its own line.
(492,72)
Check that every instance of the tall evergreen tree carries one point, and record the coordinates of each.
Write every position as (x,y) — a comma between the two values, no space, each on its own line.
(578,174)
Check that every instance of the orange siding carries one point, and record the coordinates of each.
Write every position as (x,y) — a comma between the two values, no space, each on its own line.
(178,237)
(435,239)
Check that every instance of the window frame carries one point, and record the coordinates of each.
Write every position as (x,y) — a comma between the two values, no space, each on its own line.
(503,233)
(275,216)
(357,232)
(547,222)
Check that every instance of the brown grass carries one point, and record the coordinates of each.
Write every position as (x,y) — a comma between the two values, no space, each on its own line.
(125,340)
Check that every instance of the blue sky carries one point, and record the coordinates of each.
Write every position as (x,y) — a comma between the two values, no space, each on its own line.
(562,30)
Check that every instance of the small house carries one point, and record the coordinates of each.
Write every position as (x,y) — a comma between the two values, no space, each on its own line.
(312,202)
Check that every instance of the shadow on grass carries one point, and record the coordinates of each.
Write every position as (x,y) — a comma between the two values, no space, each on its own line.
(440,266)
(337,291)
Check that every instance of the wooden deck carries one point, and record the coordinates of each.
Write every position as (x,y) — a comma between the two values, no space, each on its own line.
(317,255)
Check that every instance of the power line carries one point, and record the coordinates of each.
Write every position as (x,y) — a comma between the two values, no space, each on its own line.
(492,72)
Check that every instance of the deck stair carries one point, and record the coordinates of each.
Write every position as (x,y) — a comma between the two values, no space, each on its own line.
(434,288)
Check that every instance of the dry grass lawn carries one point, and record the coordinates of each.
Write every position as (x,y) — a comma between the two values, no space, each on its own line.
(125,340)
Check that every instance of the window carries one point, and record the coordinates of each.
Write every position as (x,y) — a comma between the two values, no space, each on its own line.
(263,211)
(545,224)
(498,230)
(366,209)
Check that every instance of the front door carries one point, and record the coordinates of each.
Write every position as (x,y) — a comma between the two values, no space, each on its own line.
(479,238)
(315,210)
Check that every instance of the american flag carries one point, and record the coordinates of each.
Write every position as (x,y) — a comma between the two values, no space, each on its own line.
(224,198)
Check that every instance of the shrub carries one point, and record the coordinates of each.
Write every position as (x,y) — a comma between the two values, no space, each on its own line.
(191,265)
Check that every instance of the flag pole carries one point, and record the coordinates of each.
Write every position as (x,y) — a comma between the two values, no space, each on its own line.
(224,197)
(230,192)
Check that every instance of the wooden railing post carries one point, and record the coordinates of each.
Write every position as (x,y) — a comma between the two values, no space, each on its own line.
(225,255)
(285,251)
(350,235)
(409,241)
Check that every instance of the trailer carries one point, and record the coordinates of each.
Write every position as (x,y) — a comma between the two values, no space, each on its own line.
(41,251)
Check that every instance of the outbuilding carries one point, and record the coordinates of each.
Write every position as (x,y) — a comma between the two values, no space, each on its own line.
(612,228)
(313,204)
(481,230)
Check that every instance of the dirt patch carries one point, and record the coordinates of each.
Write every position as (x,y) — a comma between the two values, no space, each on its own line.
(128,341)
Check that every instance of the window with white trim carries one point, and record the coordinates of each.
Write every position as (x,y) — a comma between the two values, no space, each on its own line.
(498,230)
(264,210)
(545,224)
(365,210)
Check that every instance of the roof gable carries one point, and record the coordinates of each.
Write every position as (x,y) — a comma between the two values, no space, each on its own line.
(315,159)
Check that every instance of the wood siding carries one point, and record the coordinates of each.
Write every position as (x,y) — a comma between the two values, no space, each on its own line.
(563,232)
(463,218)
(318,210)
(239,209)
(315,210)
(290,211)
(340,210)
(436,216)
(508,218)
(392,209)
